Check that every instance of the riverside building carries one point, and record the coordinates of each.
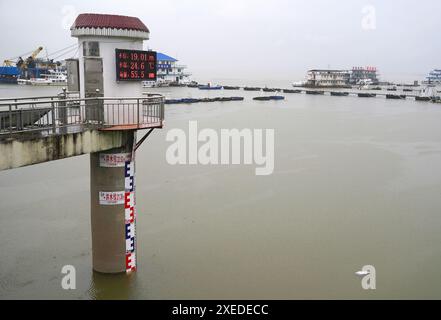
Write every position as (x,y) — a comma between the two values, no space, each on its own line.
(169,72)
(434,77)
(327,78)
(363,75)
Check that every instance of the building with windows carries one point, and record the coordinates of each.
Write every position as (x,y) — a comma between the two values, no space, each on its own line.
(170,71)
(327,78)
(434,77)
(364,75)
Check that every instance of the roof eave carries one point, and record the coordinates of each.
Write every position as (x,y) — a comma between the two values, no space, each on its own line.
(110,32)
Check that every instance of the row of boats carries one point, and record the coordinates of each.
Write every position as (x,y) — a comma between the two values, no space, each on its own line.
(373,95)
(210,87)
(197,100)
(266,89)
(220,99)
(394,88)
(364,95)
(278,98)
(423,95)
(312,92)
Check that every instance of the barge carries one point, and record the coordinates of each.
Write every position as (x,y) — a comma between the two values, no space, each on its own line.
(367,95)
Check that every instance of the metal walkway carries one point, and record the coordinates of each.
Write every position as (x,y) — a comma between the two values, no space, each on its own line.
(62,114)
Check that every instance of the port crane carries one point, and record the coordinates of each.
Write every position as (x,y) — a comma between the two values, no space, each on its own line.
(24,64)
(8,63)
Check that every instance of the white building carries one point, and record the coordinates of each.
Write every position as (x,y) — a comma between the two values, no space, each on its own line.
(434,77)
(364,75)
(99,36)
(327,78)
(169,71)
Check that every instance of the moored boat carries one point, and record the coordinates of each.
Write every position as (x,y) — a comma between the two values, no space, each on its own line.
(23,82)
(53,78)
(395,96)
(193,84)
(418,98)
(223,99)
(197,100)
(339,94)
(367,95)
(268,98)
(262,98)
(190,100)
(252,89)
(314,92)
(209,87)
(269,89)
(277,98)
(292,91)
(436,99)
(231,88)
(172,101)
(9,75)
(176,84)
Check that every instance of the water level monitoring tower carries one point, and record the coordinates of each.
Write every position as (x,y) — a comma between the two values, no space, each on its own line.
(112,63)
(100,113)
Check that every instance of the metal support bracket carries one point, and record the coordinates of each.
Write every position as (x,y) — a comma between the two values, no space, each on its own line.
(138,144)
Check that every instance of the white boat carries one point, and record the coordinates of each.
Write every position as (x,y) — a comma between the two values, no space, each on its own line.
(23,82)
(299,84)
(148,84)
(155,84)
(365,82)
(53,78)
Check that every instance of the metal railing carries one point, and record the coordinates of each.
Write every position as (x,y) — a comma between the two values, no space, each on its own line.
(58,115)
(64,94)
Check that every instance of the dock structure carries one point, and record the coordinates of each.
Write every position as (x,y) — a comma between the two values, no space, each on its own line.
(99,114)
(346,93)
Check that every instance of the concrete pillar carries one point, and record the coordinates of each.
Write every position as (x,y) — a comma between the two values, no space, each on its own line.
(113,216)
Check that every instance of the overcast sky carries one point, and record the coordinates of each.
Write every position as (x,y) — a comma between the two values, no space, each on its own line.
(277,39)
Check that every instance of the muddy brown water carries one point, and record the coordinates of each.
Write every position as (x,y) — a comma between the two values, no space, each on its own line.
(356,182)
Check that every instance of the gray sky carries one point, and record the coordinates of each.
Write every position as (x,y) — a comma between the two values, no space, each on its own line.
(241,39)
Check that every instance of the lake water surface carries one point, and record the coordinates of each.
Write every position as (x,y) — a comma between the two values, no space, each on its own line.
(356,182)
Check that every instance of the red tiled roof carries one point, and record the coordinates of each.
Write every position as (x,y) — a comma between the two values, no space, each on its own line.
(92,20)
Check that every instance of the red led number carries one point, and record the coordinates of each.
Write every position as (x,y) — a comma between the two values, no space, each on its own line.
(136,65)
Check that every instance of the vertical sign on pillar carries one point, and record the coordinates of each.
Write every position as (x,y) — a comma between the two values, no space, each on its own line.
(130,214)
(125,197)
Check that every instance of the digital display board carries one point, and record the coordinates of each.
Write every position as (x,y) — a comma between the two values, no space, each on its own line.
(135,65)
